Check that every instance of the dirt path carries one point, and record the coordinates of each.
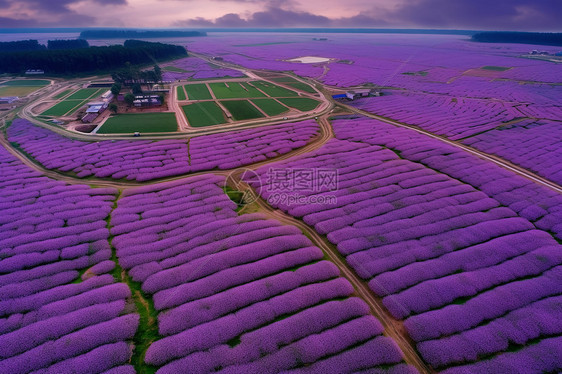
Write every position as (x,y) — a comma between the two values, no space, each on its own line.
(392,328)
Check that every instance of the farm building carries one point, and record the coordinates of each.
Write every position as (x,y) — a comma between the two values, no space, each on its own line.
(351,95)
(149,100)
(8,99)
(94,110)
(34,72)
(107,97)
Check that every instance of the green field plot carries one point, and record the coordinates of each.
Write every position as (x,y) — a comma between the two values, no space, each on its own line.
(85,93)
(21,87)
(242,109)
(174,69)
(234,90)
(206,113)
(302,86)
(62,94)
(301,103)
(64,107)
(141,122)
(495,68)
(273,90)
(181,93)
(27,82)
(198,91)
(270,106)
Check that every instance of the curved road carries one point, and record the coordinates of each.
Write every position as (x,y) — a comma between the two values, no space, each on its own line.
(392,327)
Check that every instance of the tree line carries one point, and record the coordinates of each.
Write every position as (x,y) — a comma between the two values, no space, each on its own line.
(89,60)
(539,38)
(138,34)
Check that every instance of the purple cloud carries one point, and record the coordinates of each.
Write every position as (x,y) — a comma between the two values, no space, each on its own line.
(475,14)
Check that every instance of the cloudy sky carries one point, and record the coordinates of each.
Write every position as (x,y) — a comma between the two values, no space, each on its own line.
(540,15)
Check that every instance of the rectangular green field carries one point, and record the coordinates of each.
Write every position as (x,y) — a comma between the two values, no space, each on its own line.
(63,107)
(141,122)
(198,91)
(242,109)
(84,93)
(174,69)
(235,90)
(27,82)
(273,90)
(206,113)
(21,88)
(302,86)
(270,106)
(301,103)
(62,94)
(495,68)
(181,93)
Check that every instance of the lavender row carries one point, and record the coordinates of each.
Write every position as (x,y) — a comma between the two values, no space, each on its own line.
(534,145)
(217,277)
(538,204)
(54,319)
(147,160)
(421,239)
(455,118)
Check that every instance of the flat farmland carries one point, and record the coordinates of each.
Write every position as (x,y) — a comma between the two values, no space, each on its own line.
(198,91)
(21,87)
(73,102)
(85,93)
(203,114)
(301,103)
(270,106)
(242,109)
(234,90)
(273,90)
(181,93)
(141,122)
(64,107)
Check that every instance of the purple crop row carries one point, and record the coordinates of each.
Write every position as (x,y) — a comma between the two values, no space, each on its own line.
(535,145)
(538,204)
(218,278)
(195,68)
(454,118)
(147,160)
(444,257)
(53,321)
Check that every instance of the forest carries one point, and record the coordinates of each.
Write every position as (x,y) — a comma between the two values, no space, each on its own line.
(539,38)
(89,60)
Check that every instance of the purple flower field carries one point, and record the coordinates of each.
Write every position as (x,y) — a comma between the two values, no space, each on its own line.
(195,68)
(456,265)
(539,205)
(51,319)
(423,254)
(535,145)
(453,118)
(145,160)
(243,294)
